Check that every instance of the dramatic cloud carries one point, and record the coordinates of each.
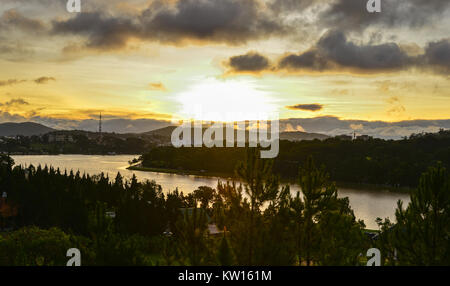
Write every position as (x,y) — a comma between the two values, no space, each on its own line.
(287,37)
(306,107)
(103,32)
(44,79)
(176,22)
(334,51)
(250,62)
(352,15)
(437,55)
(309,60)
(225,21)
(337,48)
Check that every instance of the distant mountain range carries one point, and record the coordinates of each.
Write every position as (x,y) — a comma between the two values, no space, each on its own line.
(290,136)
(24,129)
(162,134)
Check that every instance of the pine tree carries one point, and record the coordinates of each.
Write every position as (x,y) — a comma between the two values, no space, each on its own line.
(260,185)
(190,233)
(318,194)
(421,235)
(225,254)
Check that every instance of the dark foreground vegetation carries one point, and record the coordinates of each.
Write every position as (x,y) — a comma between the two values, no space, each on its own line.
(375,161)
(260,221)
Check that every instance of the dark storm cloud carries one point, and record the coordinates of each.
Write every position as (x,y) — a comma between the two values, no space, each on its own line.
(310,60)
(306,107)
(219,21)
(437,55)
(335,52)
(352,15)
(335,46)
(250,62)
(226,21)
(103,32)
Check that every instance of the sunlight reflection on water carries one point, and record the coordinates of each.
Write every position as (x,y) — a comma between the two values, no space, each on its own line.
(367,204)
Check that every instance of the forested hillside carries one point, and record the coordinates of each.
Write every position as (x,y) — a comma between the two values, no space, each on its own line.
(374,161)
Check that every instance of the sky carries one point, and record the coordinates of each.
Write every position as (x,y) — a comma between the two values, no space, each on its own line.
(324,66)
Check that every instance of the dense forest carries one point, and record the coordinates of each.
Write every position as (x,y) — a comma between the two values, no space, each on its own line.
(260,222)
(395,163)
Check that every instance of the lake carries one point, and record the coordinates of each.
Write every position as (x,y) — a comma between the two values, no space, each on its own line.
(367,204)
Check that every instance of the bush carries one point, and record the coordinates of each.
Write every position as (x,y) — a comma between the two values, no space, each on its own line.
(32,246)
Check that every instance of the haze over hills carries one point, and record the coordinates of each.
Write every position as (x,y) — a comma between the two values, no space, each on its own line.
(300,135)
(162,134)
(292,129)
(166,132)
(327,125)
(25,129)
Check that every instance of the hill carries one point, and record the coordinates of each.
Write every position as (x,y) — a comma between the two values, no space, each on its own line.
(392,163)
(166,133)
(24,129)
(299,136)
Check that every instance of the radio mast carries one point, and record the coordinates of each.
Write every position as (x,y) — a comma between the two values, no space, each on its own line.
(100,125)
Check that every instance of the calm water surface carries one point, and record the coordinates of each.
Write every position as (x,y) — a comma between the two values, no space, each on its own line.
(367,204)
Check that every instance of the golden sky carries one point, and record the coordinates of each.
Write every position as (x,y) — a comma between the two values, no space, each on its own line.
(153,59)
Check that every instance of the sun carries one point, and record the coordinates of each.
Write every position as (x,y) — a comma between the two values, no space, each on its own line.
(230,100)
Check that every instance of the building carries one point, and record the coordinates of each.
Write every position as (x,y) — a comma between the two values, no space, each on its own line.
(60,138)
(364,137)
(344,137)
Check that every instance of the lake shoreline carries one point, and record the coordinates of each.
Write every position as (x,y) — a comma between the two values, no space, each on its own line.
(207,174)
(368,203)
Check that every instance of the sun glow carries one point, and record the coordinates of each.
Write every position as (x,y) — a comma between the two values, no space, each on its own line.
(215,100)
